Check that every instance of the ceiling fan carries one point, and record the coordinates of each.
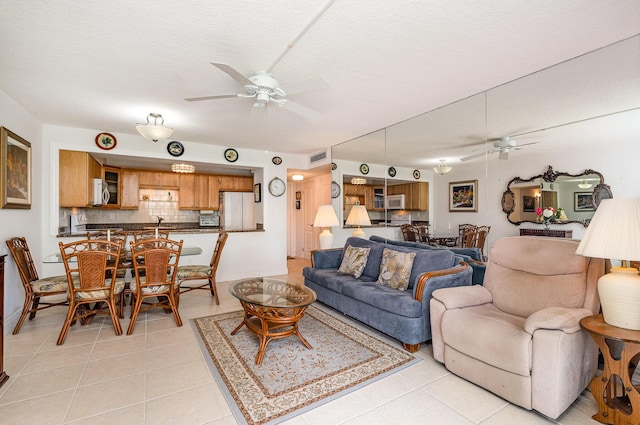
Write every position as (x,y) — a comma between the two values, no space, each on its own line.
(264,88)
(502,146)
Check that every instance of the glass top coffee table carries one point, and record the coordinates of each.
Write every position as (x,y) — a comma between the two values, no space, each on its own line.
(272,309)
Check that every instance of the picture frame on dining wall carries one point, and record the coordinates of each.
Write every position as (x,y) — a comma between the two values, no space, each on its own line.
(528,203)
(583,201)
(15,170)
(463,196)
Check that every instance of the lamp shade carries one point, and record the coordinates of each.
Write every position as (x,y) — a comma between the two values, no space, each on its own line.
(614,231)
(358,216)
(154,131)
(326,217)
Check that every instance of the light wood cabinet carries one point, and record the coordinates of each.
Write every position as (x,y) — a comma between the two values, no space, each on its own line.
(214,193)
(77,171)
(199,192)
(111,176)
(130,185)
(235,184)
(159,180)
(416,195)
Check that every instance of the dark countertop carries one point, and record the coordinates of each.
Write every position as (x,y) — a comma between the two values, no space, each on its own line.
(184,228)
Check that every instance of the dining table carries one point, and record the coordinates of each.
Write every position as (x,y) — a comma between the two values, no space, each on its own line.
(444,239)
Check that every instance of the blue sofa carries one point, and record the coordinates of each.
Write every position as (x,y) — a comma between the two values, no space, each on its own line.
(401,314)
(471,256)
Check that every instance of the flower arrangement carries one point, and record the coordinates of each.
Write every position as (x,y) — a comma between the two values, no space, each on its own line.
(549,215)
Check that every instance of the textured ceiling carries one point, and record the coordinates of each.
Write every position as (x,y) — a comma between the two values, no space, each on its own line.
(107,65)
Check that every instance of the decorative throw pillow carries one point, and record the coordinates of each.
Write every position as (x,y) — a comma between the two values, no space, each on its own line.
(395,269)
(354,261)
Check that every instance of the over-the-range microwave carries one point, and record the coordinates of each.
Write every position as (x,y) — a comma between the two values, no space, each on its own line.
(394,202)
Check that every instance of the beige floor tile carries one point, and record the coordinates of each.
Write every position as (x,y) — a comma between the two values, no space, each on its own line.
(78,335)
(226,420)
(169,355)
(17,347)
(338,411)
(414,408)
(132,415)
(14,365)
(424,372)
(387,389)
(171,336)
(58,357)
(512,414)
(162,382)
(37,384)
(46,410)
(197,405)
(113,367)
(581,411)
(455,392)
(105,396)
(121,345)
(369,418)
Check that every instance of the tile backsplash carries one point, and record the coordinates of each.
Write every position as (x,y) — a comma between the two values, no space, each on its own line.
(152,203)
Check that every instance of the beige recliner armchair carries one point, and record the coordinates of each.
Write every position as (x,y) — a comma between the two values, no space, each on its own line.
(519,335)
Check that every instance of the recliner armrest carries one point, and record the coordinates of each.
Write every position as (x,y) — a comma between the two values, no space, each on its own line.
(556,318)
(463,296)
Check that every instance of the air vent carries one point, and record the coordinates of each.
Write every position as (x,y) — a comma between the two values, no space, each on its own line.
(319,157)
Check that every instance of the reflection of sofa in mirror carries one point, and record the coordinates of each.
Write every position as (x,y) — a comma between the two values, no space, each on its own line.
(577,194)
(519,335)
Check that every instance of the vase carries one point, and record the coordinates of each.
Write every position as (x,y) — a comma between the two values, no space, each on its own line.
(547,225)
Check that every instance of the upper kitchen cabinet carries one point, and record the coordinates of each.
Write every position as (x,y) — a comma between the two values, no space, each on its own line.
(77,171)
(416,195)
(130,186)
(159,180)
(235,184)
(111,177)
(199,192)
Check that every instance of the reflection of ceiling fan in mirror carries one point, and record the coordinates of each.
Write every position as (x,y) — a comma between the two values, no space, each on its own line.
(502,147)
(265,89)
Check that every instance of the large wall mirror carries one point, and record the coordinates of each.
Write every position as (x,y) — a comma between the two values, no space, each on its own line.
(577,105)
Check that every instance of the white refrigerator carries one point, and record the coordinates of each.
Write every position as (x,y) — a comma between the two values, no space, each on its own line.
(237,211)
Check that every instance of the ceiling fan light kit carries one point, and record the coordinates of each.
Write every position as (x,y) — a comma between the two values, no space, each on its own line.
(154,131)
(442,168)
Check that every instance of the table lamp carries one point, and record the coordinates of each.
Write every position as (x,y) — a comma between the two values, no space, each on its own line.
(326,217)
(358,216)
(614,233)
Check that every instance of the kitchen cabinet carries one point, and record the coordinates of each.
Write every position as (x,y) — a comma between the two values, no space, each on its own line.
(416,195)
(77,171)
(130,187)
(111,177)
(158,180)
(199,192)
(235,184)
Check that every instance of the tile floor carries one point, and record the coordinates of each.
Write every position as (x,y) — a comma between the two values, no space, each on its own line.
(158,376)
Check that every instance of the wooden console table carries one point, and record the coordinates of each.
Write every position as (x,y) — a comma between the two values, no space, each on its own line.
(3,375)
(548,233)
(618,399)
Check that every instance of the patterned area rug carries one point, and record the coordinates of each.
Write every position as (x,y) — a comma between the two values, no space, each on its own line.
(293,379)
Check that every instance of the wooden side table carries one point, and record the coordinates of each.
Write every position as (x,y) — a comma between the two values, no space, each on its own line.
(618,399)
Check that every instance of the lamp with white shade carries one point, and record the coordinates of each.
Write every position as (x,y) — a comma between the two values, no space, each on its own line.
(326,217)
(154,131)
(614,233)
(358,216)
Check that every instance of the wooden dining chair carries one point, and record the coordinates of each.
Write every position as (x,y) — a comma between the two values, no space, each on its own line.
(155,266)
(139,235)
(410,233)
(113,235)
(462,230)
(189,273)
(469,240)
(91,267)
(34,287)
(481,237)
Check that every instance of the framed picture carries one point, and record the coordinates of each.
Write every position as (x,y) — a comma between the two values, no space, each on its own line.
(298,195)
(528,203)
(257,192)
(15,173)
(583,201)
(463,196)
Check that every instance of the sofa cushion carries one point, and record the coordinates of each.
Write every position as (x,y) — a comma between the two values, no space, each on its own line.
(489,335)
(331,279)
(372,269)
(381,297)
(471,252)
(395,269)
(354,260)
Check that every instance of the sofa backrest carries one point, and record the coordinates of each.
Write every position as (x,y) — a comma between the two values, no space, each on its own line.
(472,253)
(527,274)
(424,261)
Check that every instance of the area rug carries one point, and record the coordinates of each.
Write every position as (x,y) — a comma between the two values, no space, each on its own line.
(293,379)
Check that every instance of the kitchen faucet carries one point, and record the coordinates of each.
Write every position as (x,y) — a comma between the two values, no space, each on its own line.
(159,220)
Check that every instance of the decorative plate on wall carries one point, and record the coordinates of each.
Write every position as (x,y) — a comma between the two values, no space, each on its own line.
(364,168)
(334,166)
(392,171)
(175,148)
(106,141)
(231,155)
(276,160)
(416,174)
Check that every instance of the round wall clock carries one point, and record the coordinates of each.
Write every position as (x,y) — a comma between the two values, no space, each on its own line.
(175,148)
(276,160)
(277,187)
(364,168)
(416,174)
(335,190)
(106,141)
(392,172)
(231,155)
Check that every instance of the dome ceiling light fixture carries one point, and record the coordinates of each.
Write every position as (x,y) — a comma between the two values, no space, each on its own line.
(442,168)
(154,131)
(585,185)
(183,168)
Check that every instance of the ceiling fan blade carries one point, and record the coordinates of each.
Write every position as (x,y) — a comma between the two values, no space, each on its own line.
(478,155)
(220,96)
(526,144)
(233,73)
(301,110)
(312,84)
